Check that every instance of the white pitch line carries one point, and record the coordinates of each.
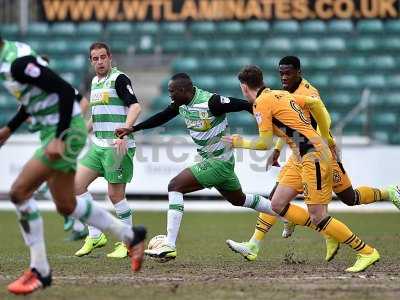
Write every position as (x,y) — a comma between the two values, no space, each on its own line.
(215,206)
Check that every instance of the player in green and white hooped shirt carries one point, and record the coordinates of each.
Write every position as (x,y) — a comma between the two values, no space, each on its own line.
(205,117)
(50,102)
(113,104)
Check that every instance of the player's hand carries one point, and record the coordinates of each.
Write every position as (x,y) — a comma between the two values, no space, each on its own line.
(273,159)
(232,140)
(121,132)
(120,146)
(5,133)
(55,149)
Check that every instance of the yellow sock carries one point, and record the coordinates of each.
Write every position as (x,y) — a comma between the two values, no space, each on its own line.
(264,224)
(343,234)
(366,194)
(297,215)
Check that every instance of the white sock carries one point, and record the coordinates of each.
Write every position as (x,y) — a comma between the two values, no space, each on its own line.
(78,225)
(92,214)
(94,233)
(175,212)
(31,225)
(123,211)
(260,204)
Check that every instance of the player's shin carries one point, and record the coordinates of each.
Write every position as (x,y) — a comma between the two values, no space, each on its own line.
(31,224)
(89,212)
(260,204)
(175,213)
(366,195)
(264,224)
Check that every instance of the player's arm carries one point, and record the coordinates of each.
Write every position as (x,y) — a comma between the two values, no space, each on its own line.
(263,142)
(320,114)
(154,121)
(28,70)
(220,105)
(123,87)
(19,118)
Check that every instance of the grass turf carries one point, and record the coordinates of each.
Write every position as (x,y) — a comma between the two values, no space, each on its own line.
(206,268)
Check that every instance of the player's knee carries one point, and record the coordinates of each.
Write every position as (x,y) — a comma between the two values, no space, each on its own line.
(348,197)
(277,207)
(173,185)
(18,193)
(237,201)
(65,209)
(116,196)
(315,219)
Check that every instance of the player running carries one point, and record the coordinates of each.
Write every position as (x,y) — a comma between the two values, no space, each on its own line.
(205,117)
(292,81)
(50,101)
(113,104)
(280,113)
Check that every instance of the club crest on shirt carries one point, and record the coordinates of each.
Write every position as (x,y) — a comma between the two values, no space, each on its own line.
(32,70)
(203,115)
(258,118)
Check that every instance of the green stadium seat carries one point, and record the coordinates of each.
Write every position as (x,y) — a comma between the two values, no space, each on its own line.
(277,45)
(90,29)
(236,64)
(389,100)
(213,65)
(352,63)
(393,82)
(196,47)
(58,47)
(335,44)
(229,29)
(188,65)
(160,102)
(202,29)
(340,26)
(206,82)
(119,28)
(356,126)
(382,135)
(363,44)
(38,30)
(80,47)
(76,63)
(146,45)
(9,31)
(249,47)
(394,138)
(320,81)
(256,28)
(370,27)
(36,45)
(121,45)
(146,28)
(324,63)
(384,63)
(7,102)
(286,27)
(71,78)
(305,45)
(242,123)
(226,84)
(172,46)
(172,29)
(224,47)
(272,81)
(390,44)
(342,101)
(392,26)
(374,81)
(347,81)
(313,27)
(384,120)
(63,29)
(269,63)
(335,117)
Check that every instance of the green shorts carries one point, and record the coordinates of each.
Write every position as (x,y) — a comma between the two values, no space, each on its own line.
(106,162)
(74,142)
(216,173)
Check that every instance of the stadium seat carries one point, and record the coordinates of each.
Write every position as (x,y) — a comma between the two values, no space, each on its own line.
(369,27)
(9,31)
(272,81)
(395,138)
(189,65)
(390,44)
(347,81)
(323,63)
(212,65)
(320,81)
(277,45)
(242,123)
(58,47)
(365,44)
(63,29)
(146,44)
(393,82)
(269,63)
(390,100)
(160,102)
(313,27)
(236,64)
(174,30)
(206,82)
(120,29)
(384,120)
(256,28)
(91,30)
(305,45)
(384,62)
(146,28)
(38,30)
(249,47)
(226,84)
(229,29)
(335,44)
(352,63)
(340,27)
(173,46)
(342,100)
(123,45)
(286,27)
(80,47)
(202,29)
(392,26)
(373,81)
(195,47)
(223,47)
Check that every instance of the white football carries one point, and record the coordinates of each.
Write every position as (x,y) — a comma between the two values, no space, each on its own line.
(156,241)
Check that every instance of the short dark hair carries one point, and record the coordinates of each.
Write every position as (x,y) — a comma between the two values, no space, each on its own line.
(292,61)
(252,76)
(99,45)
(183,79)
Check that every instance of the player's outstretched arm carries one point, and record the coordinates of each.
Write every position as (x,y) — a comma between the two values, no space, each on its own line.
(27,69)
(263,142)
(154,121)
(19,118)
(220,105)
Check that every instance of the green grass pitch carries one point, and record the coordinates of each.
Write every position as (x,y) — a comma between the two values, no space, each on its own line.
(206,269)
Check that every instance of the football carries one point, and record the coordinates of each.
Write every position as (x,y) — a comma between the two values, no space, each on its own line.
(156,241)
